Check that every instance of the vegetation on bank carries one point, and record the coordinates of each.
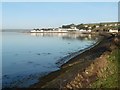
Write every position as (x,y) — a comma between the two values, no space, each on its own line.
(111,75)
(95,26)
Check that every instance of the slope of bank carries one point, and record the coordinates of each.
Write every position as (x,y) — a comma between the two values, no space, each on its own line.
(111,72)
(108,76)
(83,70)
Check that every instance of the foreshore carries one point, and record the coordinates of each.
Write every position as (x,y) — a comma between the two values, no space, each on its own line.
(77,66)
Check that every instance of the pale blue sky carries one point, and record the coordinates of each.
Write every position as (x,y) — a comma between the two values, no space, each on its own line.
(22,15)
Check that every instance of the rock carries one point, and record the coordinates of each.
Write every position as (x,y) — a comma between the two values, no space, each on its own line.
(73,85)
(69,86)
(78,75)
(86,72)
(80,85)
(77,86)
(75,82)
(77,78)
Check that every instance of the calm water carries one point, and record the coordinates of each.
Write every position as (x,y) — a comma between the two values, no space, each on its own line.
(27,56)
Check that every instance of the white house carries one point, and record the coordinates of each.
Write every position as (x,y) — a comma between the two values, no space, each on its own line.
(89,27)
(110,25)
(113,31)
(105,24)
(86,25)
(97,26)
(84,31)
(68,29)
(89,30)
(115,24)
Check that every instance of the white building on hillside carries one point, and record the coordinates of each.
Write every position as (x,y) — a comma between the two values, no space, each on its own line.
(84,31)
(69,29)
(113,31)
(89,27)
(97,26)
(105,24)
(115,24)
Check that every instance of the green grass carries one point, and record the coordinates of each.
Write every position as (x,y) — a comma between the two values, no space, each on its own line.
(111,74)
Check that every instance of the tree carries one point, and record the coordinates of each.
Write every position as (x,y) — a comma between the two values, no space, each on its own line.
(68,26)
(114,27)
(119,28)
(86,28)
(101,25)
(93,27)
(80,26)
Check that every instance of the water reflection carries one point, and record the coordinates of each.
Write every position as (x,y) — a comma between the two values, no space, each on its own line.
(69,36)
(48,34)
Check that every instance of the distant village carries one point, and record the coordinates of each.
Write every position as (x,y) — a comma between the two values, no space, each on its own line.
(83,28)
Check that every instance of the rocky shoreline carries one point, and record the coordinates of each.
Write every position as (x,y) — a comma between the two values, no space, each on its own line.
(82,70)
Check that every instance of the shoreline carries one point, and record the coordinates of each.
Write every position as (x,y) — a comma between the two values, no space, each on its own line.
(75,54)
(70,63)
(86,69)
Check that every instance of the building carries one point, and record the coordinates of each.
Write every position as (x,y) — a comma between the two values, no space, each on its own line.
(110,25)
(89,27)
(113,31)
(105,25)
(86,25)
(115,24)
(97,26)
(69,29)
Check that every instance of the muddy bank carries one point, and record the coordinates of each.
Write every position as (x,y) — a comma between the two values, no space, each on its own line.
(75,68)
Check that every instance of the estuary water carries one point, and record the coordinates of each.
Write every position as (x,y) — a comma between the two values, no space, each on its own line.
(28,56)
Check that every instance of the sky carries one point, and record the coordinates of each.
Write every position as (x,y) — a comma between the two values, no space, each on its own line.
(29,15)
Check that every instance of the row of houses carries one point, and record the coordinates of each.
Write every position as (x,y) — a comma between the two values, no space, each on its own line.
(86,28)
(102,24)
(60,29)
